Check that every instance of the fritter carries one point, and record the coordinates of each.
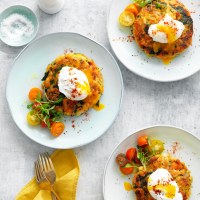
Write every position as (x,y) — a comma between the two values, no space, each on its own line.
(176,168)
(91,70)
(152,14)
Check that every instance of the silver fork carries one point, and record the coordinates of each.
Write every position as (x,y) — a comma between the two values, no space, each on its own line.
(48,169)
(42,181)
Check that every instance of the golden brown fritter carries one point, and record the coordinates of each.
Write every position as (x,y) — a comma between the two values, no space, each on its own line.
(86,65)
(152,14)
(176,168)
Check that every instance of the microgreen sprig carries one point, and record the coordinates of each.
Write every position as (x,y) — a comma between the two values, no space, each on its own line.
(142,3)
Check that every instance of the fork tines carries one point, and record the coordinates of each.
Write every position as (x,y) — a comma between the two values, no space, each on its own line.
(45,161)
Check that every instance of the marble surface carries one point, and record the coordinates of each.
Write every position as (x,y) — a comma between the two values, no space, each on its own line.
(145,103)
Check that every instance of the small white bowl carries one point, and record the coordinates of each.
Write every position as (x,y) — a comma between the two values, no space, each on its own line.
(29,15)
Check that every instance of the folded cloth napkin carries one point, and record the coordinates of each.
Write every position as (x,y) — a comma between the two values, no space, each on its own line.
(67,172)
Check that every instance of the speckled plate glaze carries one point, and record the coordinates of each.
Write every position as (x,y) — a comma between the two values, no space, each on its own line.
(28,70)
(187,150)
(137,61)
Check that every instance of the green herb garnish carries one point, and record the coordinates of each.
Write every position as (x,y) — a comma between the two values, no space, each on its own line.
(45,76)
(142,3)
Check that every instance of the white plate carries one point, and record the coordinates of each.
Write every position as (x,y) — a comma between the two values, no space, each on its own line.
(137,61)
(27,71)
(188,151)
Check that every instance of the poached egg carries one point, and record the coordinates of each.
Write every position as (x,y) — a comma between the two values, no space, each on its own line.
(167,30)
(161,186)
(73,83)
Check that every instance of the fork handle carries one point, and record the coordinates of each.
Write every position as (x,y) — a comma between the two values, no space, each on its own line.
(55,195)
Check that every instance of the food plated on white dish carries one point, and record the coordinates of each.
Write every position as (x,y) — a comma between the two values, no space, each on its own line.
(35,67)
(157,40)
(159,162)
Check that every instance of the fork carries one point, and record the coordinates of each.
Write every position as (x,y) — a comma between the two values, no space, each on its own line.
(48,169)
(43,182)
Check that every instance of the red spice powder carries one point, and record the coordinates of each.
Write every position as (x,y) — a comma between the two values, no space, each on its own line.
(175,147)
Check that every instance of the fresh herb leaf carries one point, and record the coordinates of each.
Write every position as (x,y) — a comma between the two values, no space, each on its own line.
(142,3)
(29,106)
(45,76)
(98,103)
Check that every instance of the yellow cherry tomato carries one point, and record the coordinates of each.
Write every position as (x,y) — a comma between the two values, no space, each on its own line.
(126,18)
(32,119)
(156,146)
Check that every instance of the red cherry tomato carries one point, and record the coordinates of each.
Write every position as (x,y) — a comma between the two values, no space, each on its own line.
(142,141)
(127,169)
(130,153)
(43,124)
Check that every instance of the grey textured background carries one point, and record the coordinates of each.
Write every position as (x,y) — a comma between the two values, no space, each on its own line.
(145,103)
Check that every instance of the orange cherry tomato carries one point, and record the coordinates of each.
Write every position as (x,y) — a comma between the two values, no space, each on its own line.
(130,153)
(34,93)
(142,141)
(132,8)
(57,128)
(127,169)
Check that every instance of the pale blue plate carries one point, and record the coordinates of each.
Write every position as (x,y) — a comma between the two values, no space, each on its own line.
(22,10)
(29,68)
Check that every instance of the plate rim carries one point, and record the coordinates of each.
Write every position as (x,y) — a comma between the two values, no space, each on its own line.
(93,41)
(138,130)
(137,73)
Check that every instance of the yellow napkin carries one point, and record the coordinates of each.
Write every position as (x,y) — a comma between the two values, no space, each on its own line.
(67,171)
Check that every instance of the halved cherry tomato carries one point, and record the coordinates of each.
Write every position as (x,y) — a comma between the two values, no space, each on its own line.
(36,106)
(32,119)
(43,124)
(126,18)
(132,8)
(156,146)
(121,160)
(57,128)
(127,169)
(142,141)
(34,93)
(130,153)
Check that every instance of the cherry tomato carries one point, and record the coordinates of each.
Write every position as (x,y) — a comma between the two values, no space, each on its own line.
(43,124)
(126,18)
(132,8)
(127,169)
(36,105)
(130,153)
(57,128)
(142,141)
(32,119)
(34,93)
(156,146)
(121,160)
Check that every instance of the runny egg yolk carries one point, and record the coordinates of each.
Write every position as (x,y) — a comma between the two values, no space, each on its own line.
(84,87)
(170,190)
(169,31)
(161,186)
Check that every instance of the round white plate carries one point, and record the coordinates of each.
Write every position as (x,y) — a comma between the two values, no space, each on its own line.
(28,70)
(188,151)
(137,61)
